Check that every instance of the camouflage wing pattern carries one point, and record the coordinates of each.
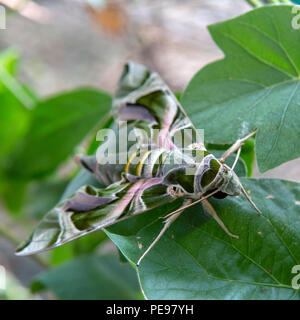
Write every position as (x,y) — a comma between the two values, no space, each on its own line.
(144,101)
(91,209)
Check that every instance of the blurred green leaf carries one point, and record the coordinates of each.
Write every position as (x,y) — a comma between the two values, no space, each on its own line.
(90,278)
(81,179)
(13,116)
(62,254)
(58,125)
(41,196)
(94,143)
(81,246)
(8,82)
(14,119)
(9,59)
(13,193)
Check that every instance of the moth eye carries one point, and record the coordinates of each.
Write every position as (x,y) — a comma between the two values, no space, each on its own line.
(220,195)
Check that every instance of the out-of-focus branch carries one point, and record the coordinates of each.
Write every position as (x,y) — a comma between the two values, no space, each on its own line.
(7,234)
(255,3)
(260,3)
(29,9)
(16,89)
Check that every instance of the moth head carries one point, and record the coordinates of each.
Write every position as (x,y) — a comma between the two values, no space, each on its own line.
(231,184)
(234,186)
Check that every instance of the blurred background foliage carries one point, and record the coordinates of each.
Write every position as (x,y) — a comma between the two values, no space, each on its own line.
(53,56)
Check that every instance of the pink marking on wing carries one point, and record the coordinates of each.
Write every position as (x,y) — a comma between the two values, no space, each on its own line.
(149,183)
(120,207)
(164,138)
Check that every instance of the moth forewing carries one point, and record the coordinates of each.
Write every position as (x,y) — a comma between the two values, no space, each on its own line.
(143,103)
(67,221)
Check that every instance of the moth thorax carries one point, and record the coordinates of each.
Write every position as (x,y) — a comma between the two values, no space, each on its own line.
(208,174)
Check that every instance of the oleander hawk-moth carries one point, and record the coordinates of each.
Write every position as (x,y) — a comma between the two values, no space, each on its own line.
(167,162)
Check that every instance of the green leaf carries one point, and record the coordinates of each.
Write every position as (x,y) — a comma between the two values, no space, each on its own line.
(8,65)
(196,259)
(62,254)
(58,125)
(81,246)
(14,119)
(81,179)
(41,196)
(257,85)
(9,59)
(13,193)
(13,116)
(90,278)
(94,143)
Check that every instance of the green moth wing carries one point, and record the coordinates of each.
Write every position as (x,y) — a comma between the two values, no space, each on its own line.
(143,101)
(91,209)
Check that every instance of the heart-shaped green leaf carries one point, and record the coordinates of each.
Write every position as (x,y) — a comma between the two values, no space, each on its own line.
(195,259)
(257,85)
(58,125)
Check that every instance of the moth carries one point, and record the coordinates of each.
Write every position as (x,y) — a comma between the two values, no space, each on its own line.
(158,171)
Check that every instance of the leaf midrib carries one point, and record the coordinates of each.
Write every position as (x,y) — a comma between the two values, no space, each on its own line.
(278,43)
(258,58)
(282,120)
(248,94)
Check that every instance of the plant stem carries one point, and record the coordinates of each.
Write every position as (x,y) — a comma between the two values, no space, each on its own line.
(255,3)
(261,3)
(7,234)
(274,1)
(16,89)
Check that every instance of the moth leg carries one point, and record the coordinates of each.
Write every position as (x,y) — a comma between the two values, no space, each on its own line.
(237,145)
(209,208)
(167,223)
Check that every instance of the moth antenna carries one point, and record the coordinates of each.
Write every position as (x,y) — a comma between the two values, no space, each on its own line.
(249,199)
(77,159)
(236,158)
